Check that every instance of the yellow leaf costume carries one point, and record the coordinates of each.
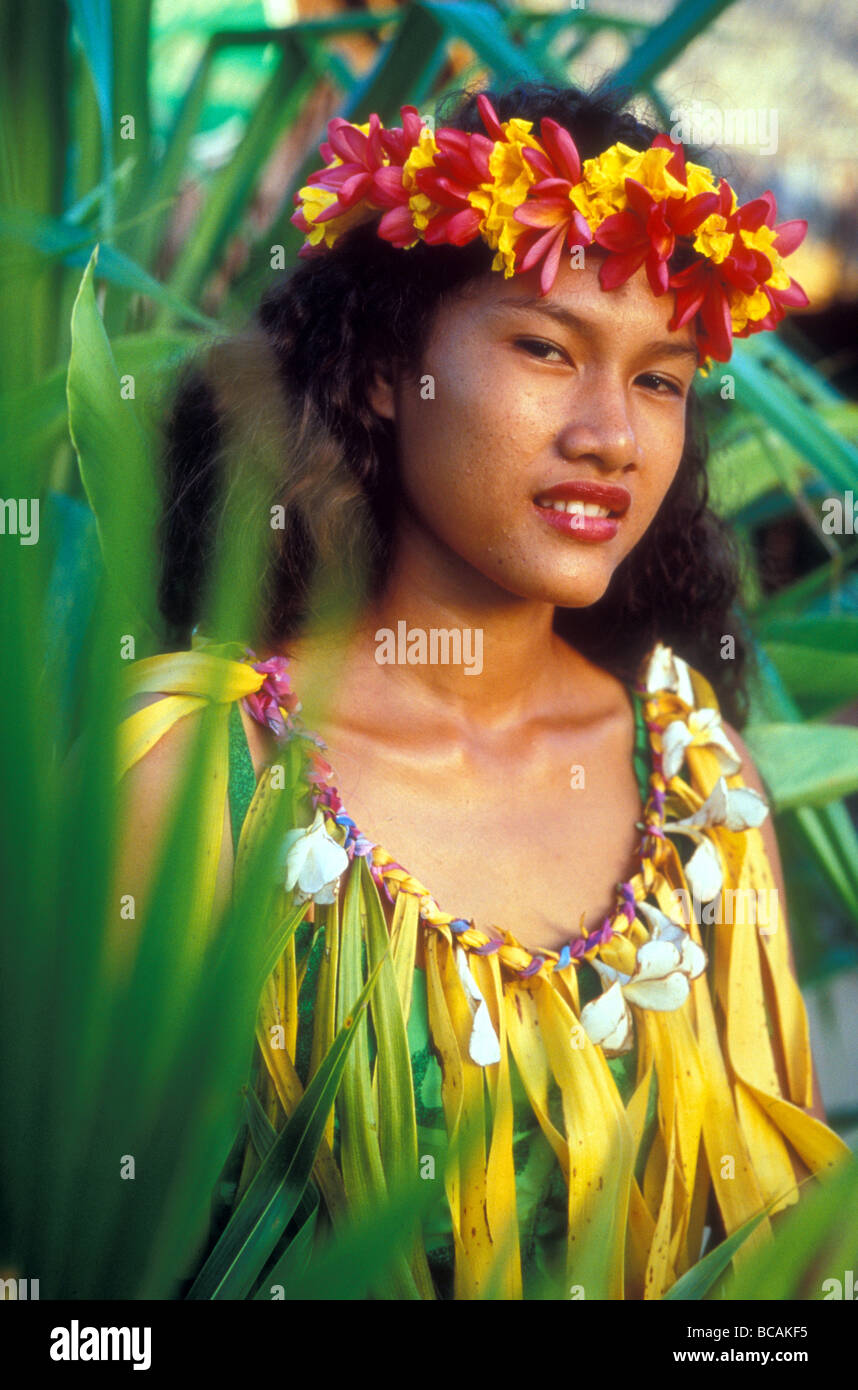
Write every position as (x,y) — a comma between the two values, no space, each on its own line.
(605,1157)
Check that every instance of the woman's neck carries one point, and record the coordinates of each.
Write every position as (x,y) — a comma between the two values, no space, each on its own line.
(444,646)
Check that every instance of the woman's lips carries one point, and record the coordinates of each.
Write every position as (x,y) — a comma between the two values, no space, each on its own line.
(584,528)
(585,496)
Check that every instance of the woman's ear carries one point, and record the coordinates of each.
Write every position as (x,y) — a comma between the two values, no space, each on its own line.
(381,395)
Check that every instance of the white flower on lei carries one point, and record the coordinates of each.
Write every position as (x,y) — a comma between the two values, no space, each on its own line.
(312,863)
(483,1045)
(666,671)
(736,808)
(702,729)
(664,968)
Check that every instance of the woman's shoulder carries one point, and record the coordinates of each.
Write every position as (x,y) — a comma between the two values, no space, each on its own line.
(165,695)
(179,734)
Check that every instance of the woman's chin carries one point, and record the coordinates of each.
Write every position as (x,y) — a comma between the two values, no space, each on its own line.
(578,590)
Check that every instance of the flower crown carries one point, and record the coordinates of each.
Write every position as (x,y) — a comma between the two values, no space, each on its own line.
(529,199)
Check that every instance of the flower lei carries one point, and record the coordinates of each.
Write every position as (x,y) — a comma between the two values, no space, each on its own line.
(529,198)
(662,958)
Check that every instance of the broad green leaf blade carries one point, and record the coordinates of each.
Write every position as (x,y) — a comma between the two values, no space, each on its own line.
(805,764)
(233,185)
(262,1131)
(38,418)
(362,1169)
(92,21)
(289,1271)
(273,1196)
(397,1129)
(697,1281)
(361,1260)
(361,1162)
(281,938)
(815,1241)
(820,679)
(113,455)
(31,237)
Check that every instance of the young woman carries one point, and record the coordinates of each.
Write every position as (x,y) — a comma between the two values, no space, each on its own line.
(493,449)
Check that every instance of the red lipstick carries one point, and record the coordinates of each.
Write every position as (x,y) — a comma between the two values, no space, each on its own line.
(611,496)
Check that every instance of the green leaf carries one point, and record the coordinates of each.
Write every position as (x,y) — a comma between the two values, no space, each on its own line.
(805,764)
(290,1269)
(815,1240)
(397,1127)
(362,1168)
(281,938)
(38,418)
(361,1162)
(697,1281)
(831,839)
(820,678)
(362,1257)
(262,1132)
(113,456)
(53,239)
(274,1194)
(233,185)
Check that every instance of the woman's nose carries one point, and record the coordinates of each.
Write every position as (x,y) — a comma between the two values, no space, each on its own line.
(600,427)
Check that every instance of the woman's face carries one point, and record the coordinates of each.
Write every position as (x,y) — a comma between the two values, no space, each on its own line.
(528,395)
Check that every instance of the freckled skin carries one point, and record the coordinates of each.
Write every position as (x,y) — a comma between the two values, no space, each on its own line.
(506,423)
(466,779)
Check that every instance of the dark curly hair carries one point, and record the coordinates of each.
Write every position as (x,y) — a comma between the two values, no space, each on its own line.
(299,379)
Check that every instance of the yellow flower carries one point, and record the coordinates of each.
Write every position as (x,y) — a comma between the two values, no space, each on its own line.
(602,190)
(422,156)
(512,175)
(763,239)
(315,200)
(713,240)
(748,307)
(650,168)
(699,179)
(511,178)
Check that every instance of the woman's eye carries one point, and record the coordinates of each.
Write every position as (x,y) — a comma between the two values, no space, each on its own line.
(539,348)
(661,384)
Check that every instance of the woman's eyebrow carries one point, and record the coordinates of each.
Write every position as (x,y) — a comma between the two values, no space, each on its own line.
(534,304)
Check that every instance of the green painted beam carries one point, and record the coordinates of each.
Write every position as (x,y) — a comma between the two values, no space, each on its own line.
(478,25)
(665,42)
(397,75)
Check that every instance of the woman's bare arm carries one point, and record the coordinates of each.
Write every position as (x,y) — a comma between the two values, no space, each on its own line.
(148,793)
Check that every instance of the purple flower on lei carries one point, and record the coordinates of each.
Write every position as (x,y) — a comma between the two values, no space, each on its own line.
(266,705)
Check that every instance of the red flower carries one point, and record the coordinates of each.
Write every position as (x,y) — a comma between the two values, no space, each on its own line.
(461,165)
(361,157)
(399,141)
(645,234)
(705,288)
(554,221)
(397,224)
